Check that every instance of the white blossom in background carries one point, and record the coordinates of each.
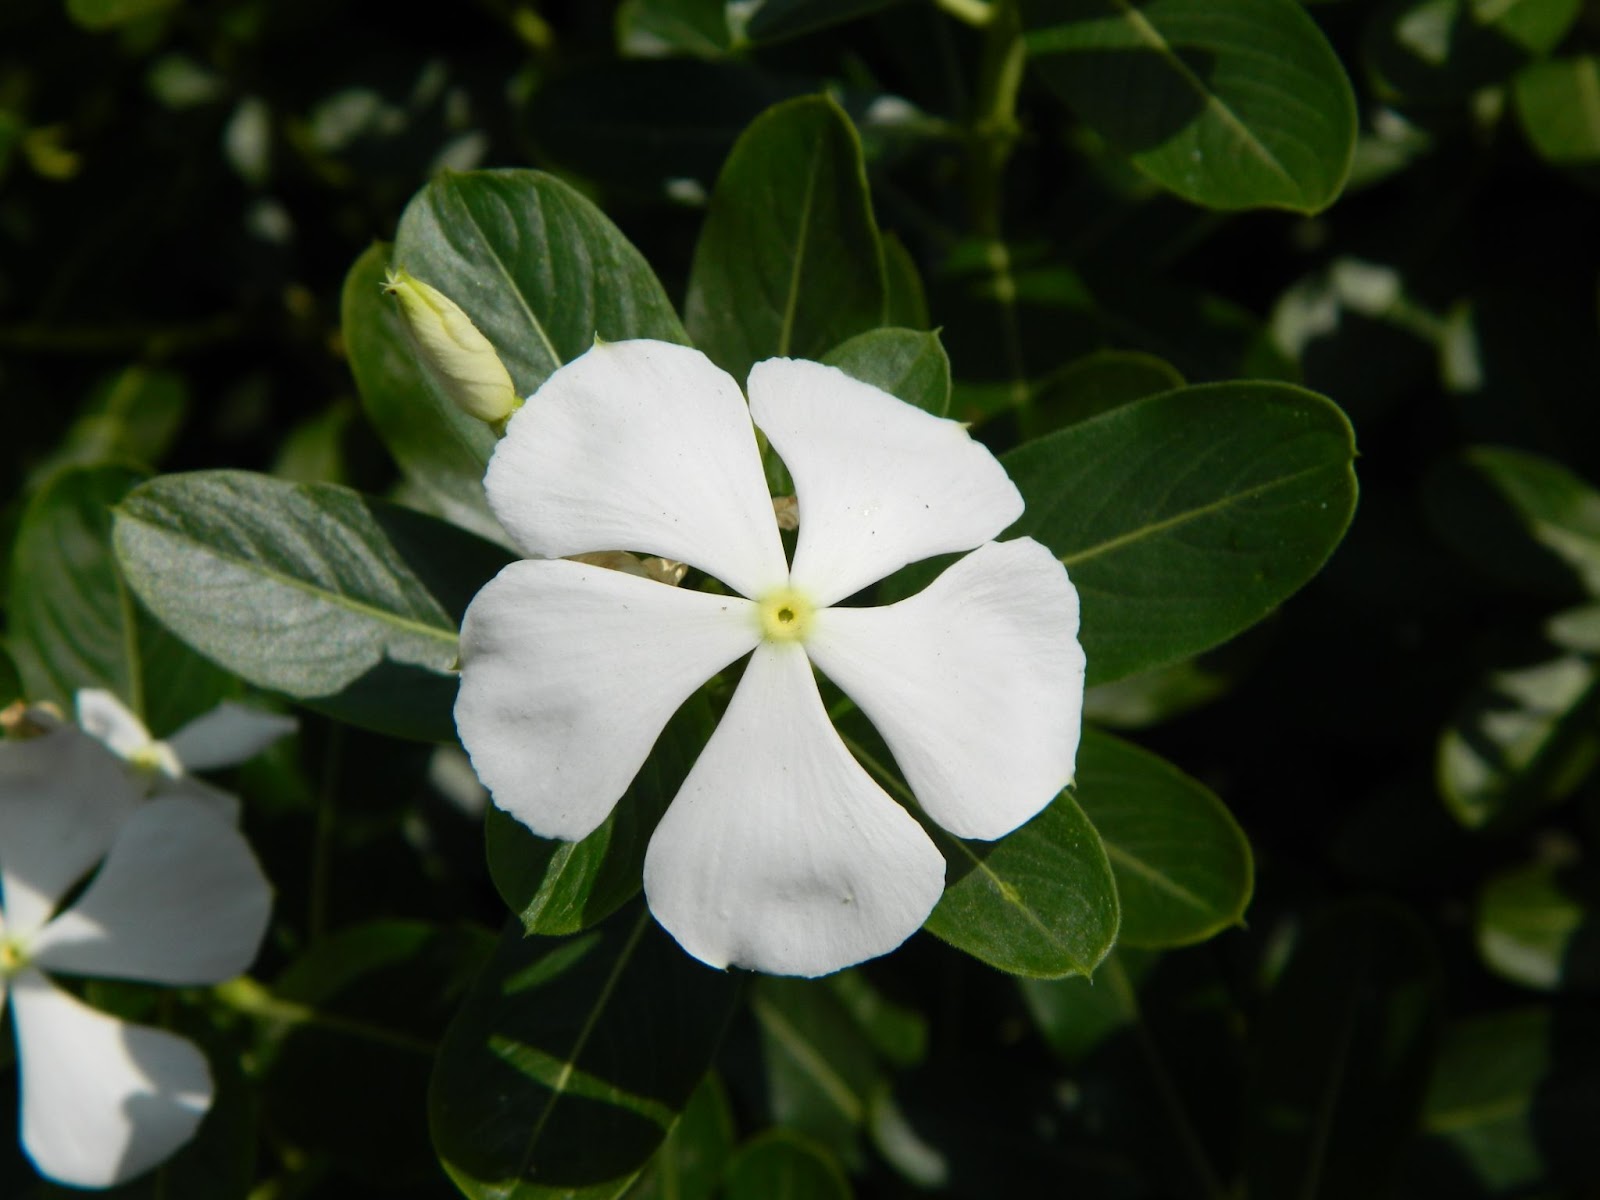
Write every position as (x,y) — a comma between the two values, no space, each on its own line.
(178,898)
(779,853)
(226,736)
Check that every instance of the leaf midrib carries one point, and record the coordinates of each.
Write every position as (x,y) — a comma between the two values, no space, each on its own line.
(1154,877)
(436,633)
(802,239)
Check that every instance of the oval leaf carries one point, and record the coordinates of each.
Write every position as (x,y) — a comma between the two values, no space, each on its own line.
(789,261)
(1558,103)
(313,590)
(442,452)
(1229,103)
(540,270)
(1185,518)
(1182,863)
(571,1059)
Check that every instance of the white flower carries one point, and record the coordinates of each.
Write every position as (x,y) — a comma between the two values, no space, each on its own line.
(226,736)
(779,852)
(178,899)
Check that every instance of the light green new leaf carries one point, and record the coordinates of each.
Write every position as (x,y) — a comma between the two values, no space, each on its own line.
(1558,103)
(903,362)
(1186,517)
(1342,1052)
(780,1165)
(1536,924)
(442,452)
(342,601)
(1229,103)
(1524,739)
(540,270)
(74,623)
(690,1162)
(1560,511)
(558,887)
(789,261)
(1182,863)
(774,20)
(571,1060)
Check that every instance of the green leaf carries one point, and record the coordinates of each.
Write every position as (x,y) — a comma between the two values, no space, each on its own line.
(903,362)
(342,601)
(774,20)
(558,887)
(571,1059)
(648,28)
(1076,1015)
(540,270)
(1523,739)
(1443,50)
(1040,902)
(1094,384)
(1560,511)
(905,303)
(1182,863)
(131,416)
(1342,1055)
(98,15)
(779,1165)
(1185,518)
(1535,926)
(1513,1093)
(789,261)
(1558,103)
(442,452)
(690,1162)
(1229,103)
(899,1034)
(74,622)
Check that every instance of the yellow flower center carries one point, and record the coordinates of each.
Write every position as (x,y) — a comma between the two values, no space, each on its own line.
(786,616)
(13,957)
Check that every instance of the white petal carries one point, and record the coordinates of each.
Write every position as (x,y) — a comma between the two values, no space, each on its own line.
(107,718)
(568,674)
(223,804)
(62,796)
(180,899)
(102,1100)
(976,684)
(879,482)
(780,853)
(228,735)
(641,446)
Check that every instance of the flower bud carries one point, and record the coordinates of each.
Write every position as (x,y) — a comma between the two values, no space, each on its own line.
(458,358)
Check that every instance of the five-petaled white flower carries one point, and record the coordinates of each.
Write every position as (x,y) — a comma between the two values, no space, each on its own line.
(178,899)
(779,852)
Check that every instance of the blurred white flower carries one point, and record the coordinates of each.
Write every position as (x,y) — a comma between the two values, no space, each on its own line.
(224,737)
(178,899)
(779,852)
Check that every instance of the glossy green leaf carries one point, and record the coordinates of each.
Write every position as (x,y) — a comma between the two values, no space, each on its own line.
(821,1069)
(789,261)
(1342,1056)
(773,20)
(442,452)
(1558,103)
(571,1060)
(690,1162)
(648,28)
(1182,863)
(1096,383)
(540,270)
(1560,511)
(1229,103)
(342,601)
(903,362)
(1537,925)
(1525,738)
(779,1165)
(74,622)
(1040,902)
(558,887)
(1186,517)
(1512,1099)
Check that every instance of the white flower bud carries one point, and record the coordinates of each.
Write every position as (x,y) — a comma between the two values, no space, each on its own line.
(449,347)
